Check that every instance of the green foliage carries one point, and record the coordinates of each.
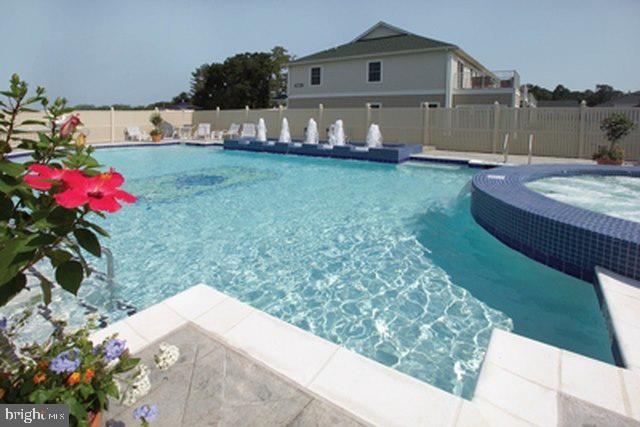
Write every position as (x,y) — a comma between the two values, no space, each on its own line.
(603,93)
(33,227)
(252,79)
(616,127)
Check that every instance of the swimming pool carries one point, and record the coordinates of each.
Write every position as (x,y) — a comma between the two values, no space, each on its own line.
(614,195)
(383,259)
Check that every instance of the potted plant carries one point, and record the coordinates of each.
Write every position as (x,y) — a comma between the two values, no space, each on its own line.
(615,128)
(156,132)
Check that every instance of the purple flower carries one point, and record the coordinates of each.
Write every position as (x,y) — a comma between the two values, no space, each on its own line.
(145,413)
(67,361)
(3,322)
(114,349)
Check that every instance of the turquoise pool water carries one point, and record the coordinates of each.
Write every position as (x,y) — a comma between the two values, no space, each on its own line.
(617,196)
(383,259)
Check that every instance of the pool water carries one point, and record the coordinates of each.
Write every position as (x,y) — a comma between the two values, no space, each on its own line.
(383,259)
(617,196)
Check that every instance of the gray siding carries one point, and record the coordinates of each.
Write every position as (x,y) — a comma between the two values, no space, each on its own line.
(360,101)
(483,99)
(421,71)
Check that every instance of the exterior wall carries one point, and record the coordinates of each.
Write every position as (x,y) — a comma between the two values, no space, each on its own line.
(483,99)
(360,101)
(412,73)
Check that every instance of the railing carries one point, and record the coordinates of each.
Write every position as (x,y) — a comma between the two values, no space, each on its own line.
(475,80)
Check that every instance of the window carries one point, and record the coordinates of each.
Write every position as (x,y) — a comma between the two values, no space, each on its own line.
(316,76)
(374,73)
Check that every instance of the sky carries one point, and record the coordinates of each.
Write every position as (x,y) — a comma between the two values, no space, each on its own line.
(139,52)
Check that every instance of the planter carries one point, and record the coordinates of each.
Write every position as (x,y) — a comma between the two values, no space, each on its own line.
(95,422)
(156,138)
(609,161)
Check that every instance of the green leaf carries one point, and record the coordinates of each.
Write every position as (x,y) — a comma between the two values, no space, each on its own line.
(6,207)
(58,256)
(69,275)
(11,288)
(46,286)
(11,168)
(96,228)
(88,241)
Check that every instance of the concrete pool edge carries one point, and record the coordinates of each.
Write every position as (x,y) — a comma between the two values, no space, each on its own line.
(564,237)
(522,381)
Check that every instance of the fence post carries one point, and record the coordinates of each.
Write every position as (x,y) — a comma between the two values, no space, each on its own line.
(217,123)
(112,124)
(425,123)
(321,127)
(581,138)
(246,114)
(367,117)
(496,123)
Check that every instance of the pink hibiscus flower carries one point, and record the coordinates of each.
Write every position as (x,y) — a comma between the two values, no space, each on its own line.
(101,192)
(42,177)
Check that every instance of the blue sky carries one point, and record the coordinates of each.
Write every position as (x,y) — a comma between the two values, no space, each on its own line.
(105,52)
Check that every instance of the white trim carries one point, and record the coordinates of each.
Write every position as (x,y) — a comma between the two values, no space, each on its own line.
(367,71)
(367,93)
(378,25)
(311,73)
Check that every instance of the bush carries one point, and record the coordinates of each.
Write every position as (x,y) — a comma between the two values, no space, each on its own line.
(615,127)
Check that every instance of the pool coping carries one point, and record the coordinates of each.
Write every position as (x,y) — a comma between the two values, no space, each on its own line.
(565,237)
(520,383)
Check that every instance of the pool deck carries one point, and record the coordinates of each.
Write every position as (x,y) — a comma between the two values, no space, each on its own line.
(522,382)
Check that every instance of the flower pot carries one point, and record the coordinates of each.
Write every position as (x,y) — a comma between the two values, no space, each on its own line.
(609,161)
(95,422)
(156,137)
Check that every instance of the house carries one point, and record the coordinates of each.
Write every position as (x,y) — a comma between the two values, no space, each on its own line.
(390,67)
(626,101)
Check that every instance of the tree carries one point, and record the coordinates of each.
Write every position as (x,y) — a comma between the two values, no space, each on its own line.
(602,94)
(280,57)
(252,79)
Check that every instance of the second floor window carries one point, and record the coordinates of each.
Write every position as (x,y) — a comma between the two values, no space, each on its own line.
(315,76)
(374,72)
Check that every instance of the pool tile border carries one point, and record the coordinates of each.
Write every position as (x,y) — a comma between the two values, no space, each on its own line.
(567,238)
(520,383)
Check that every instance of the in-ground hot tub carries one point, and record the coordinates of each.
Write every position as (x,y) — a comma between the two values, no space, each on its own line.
(388,153)
(568,238)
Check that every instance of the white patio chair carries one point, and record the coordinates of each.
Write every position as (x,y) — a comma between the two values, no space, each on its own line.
(248,130)
(184,132)
(133,133)
(203,131)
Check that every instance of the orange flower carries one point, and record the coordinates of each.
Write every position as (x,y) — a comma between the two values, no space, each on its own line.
(39,377)
(74,378)
(2,393)
(43,364)
(88,374)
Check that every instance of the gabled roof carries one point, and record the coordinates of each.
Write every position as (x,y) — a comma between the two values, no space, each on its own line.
(381,38)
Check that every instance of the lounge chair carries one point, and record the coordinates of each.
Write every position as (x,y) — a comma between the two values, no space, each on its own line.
(248,130)
(203,131)
(234,130)
(185,131)
(133,133)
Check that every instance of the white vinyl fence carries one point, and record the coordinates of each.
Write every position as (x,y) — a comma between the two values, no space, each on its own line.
(558,132)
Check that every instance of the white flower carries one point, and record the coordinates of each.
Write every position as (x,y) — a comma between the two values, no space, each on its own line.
(167,357)
(139,387)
